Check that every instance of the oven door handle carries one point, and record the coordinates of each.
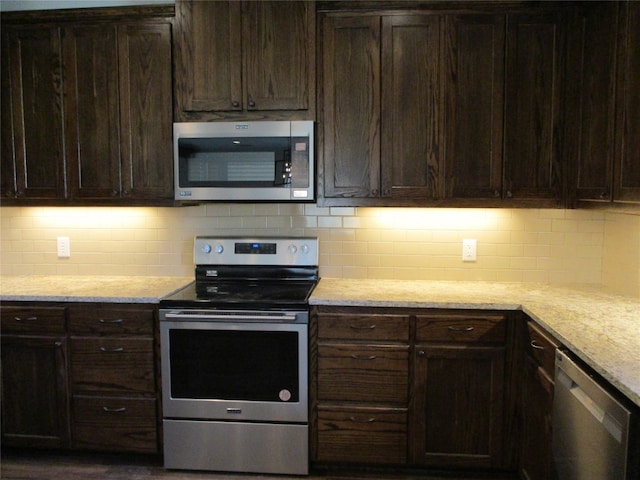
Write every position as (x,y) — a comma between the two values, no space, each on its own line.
(237,317)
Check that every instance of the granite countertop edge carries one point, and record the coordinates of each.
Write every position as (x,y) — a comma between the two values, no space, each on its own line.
(600,328)
(89,288)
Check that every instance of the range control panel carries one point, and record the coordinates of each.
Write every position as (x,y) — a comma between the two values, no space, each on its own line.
(286,251)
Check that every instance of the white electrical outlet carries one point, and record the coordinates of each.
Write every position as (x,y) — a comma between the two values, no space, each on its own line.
(469,247)
(64,247)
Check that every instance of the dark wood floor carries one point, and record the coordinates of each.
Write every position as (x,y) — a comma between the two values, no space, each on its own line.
(37,465)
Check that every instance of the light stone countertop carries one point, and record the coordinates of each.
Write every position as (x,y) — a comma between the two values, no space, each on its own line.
(71,288)
(600,328)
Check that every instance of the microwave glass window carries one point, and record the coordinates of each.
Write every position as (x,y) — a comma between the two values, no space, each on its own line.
(241,162)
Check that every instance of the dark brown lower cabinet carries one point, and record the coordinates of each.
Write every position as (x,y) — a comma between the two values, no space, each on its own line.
(408,387)
(537,390)
(34,392)
(457,406)
(80,376)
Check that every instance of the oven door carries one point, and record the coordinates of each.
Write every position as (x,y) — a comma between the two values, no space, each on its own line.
(234,366)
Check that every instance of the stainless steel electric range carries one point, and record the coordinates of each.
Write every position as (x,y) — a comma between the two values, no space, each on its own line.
(234,351)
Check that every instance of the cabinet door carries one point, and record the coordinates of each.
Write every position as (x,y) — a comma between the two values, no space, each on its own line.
(35,127)
(278,51)
(208,57)
(34,392)
(627,174)
(351,102)
(144,61)
(593,59)
(456,414)
(534,71)
(537,407)
(411,107)
(474,84)
(92,111)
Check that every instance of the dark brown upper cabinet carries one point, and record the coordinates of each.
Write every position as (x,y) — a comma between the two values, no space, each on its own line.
(86,116)
(534,164)
(119,143)
(604,67)
(382,109)
(626,185)
(32,122)
(474,83)
(442,107)
(244,59)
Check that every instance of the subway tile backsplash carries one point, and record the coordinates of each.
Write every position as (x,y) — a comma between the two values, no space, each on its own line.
(522,245)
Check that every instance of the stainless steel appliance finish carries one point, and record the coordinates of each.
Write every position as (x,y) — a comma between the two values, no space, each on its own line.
(234,349)
(591,429)
(244,161)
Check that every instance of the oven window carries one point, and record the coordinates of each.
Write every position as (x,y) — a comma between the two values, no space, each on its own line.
(234,365)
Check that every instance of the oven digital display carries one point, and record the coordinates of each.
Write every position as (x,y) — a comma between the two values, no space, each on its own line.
(256,248)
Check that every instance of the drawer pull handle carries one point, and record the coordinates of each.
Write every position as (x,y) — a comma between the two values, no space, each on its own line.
(28,319)
(117,320)
(112,350)
(363,357)
(114,410)
(536,345)
(453,328)
(362,327)
(362,420)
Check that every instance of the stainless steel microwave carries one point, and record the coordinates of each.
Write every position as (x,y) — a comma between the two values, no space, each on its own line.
(244,161)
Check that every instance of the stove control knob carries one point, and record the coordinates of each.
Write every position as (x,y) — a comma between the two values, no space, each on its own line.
(219,248)
(293,249)
(206,248)
(304,248)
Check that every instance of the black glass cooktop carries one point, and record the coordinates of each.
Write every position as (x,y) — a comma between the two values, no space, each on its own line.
(242,294)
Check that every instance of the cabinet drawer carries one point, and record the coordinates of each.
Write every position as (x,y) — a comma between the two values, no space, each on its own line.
(33,320)
(115,424)
(362,435)
(461,328)
(110,320)
(361,373)
(363,327)
(112,365)
(542,348)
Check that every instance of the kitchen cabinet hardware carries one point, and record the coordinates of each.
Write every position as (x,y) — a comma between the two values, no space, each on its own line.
(454,328)
(27,319)
(362,420)
(112,350)
(114,410)
(115,320)
(534,344)
(364,357)
(362,327)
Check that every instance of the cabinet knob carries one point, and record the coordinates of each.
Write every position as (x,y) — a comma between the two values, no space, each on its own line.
(421,353)
(374,192)
(235,104)
(496,193)
(250,102)
(604,195)
(509,194)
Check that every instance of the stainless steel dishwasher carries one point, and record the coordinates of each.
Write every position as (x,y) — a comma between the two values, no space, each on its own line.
(594,434)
